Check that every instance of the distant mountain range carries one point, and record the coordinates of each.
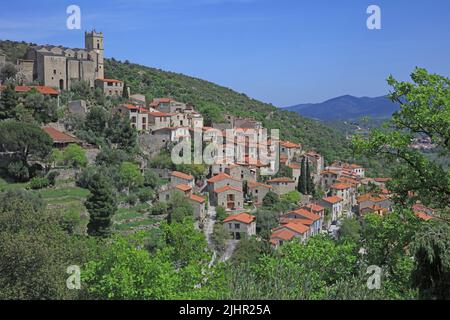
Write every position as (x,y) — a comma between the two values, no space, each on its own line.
(347,108)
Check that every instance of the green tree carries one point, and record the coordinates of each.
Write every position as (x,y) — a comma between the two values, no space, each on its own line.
(221,214)
(220,236)
(25,140)
(350,230)
(101,205)
(179,208)
(75,156)
(266,220)
(44,109)
(130,176)
(302,181)
(96,120)
(8,102)
(8,72)
(121,132)
(35,250)
(271,199)
(424,111)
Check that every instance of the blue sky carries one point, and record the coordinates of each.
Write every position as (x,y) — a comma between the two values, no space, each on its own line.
(279,51)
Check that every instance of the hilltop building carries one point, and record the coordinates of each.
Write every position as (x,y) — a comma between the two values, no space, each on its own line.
(58,67)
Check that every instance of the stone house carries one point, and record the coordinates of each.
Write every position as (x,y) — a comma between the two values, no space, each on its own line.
(258,191)
(287,232)
(138,116)
(228,197)
(199,205)
(290,150)
(307,218)
(110,87)
(296,171)
(370,202)
(329,177)
(241,172)
(166,192)
(240,224)
(158,120)
(346,192)
(177,178)
(282,185)
(335,205)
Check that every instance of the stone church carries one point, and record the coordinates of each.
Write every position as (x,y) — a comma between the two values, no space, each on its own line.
(58,67)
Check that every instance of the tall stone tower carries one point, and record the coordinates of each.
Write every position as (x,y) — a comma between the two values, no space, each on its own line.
(94,43)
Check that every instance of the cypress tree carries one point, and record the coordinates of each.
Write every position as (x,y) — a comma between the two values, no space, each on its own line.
(309,182)
(302,184)
(101,205)
(8,102)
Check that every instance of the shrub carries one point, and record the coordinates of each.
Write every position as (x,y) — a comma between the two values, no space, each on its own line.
(160,208)
(132,199)
(52,177)
(19,171)
(38,183)
(145,194)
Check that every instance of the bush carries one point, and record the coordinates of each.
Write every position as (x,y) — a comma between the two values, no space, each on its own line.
(19,171)
(221,214)
(145,194)
(38,183)
(160,208)
(131,199)
(85,176)
(52,177)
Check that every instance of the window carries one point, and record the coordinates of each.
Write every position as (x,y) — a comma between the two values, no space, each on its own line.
(237,226)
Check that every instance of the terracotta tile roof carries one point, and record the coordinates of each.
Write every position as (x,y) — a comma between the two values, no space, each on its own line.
(227,188)
(306,214)
(330,172)
(197,198)
(279,180)
(283,234)
(371,197)
(182,175)
(40,89)
(296,227)
(341,186)
(333,200)
(252,184)
(130,106)
(290,145)
(160,114)
(59,137)
(294,166)
(315,207)
(241,217)
(305,222)
(183,187)
(382,180)
(220,177)
(423,216)
(110,80)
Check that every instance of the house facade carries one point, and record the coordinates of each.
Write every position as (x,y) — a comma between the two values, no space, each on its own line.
(239,225)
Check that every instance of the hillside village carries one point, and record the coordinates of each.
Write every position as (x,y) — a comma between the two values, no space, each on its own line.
(318,193)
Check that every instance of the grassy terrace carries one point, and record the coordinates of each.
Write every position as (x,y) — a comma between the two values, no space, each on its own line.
(71,199)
